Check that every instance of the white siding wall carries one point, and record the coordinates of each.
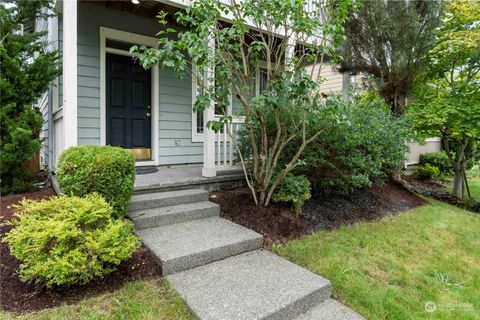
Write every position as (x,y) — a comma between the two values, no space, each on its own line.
(416,149)
(332,80)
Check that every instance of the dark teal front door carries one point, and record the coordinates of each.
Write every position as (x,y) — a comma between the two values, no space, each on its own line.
(128,100)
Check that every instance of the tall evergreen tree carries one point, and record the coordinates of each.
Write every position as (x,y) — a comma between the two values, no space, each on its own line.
(388,40)
(27,68)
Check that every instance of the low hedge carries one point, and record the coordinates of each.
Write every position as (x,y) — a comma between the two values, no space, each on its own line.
(68,240)
(426,172)
(437,159)
(109,171)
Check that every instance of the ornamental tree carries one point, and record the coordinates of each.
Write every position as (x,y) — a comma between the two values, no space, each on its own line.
(388,41)
(448,102)
(224,56)
(26,71)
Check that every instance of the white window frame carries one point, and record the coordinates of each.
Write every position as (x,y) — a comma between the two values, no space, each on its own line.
(133,38)
(199,137)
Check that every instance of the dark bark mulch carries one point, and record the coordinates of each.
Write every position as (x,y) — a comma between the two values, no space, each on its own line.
(16,296)
(365,204)
(438,190)
(278,224)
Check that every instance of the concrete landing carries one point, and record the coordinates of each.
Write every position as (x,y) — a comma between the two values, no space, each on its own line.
(253,285)
(190,244)
(179,177)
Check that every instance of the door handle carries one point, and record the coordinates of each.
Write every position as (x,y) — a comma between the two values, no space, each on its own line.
(148,107)
(149,114)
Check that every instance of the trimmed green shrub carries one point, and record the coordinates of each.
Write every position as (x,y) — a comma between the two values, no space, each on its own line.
(426,172)
(293,189)
(439,160)
(68,240)
(362,144)
(109,171)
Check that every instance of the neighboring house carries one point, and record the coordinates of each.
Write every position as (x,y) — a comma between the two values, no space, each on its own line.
(104,98)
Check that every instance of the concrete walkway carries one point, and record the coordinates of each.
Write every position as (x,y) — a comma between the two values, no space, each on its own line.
(220,268)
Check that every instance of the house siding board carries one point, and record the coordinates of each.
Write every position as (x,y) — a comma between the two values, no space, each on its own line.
(175,130)
(331,79)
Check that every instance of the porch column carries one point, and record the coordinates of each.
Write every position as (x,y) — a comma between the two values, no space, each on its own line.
(209,169)
(290,50)
(70,72)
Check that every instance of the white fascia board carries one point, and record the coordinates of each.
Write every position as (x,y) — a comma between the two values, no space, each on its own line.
(227,18)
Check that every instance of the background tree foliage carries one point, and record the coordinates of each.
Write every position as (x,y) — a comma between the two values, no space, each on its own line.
(26,71)
(389,41)
(257,30)
(448,94)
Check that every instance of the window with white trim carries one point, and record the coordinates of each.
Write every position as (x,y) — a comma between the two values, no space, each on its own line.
(228,108)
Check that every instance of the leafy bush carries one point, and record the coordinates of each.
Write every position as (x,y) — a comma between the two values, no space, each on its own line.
(294,189)
(362,144)
(27,68)
(471,204)
(439,160)
(68,240)
(426,172)
(474,171)
(109,171)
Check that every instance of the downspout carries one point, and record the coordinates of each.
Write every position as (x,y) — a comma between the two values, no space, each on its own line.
(51,128)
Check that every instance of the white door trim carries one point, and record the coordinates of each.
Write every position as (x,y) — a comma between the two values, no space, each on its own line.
(112,34)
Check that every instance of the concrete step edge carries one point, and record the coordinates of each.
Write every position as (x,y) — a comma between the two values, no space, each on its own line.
(167,198)
(205,257)
(156,217)
(330,309)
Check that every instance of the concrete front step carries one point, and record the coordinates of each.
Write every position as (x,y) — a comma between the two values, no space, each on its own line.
(250,286)
(157,217)
(330,309)
(167,199)
(190,244)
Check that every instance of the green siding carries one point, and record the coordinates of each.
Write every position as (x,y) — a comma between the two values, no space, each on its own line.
(175,144)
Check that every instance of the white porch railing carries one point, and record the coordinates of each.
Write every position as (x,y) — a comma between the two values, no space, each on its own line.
(225,150)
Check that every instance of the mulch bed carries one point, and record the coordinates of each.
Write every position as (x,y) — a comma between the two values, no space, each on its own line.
(16,296)
(365,204)
(278,224)
(437,190)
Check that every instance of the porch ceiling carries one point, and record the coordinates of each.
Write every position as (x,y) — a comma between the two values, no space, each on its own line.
(146,8)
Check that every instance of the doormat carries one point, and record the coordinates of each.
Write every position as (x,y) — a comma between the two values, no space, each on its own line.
(146,170)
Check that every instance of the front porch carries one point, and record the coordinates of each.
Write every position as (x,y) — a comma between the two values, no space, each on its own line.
(159,125)
(166,178)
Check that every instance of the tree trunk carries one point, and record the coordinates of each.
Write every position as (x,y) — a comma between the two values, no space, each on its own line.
(400,102)
(458,184)
(261,199)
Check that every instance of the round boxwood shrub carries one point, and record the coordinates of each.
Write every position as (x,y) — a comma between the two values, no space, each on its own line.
(437,159)
(109,171)
(426,172)
(68,240)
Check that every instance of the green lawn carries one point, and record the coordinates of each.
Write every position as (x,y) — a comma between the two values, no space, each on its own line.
(150,299)
(474,184)
(389,269)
